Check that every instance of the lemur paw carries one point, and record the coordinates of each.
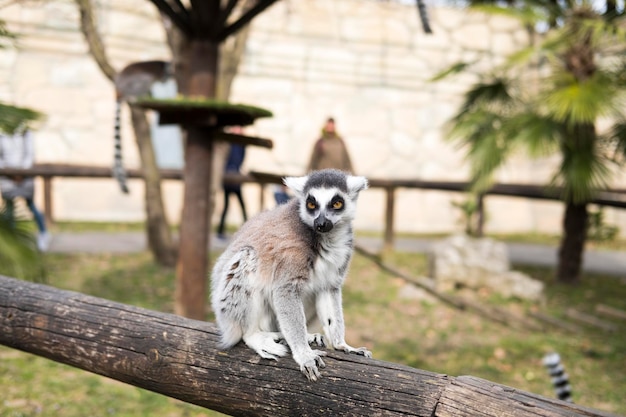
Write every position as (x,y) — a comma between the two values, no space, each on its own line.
(357,351)
(316,338)
(362,351)
(312,361)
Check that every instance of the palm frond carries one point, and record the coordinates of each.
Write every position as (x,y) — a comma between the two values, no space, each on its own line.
(617,138)
(12,117)
(451,70)
(18,250)
(583,169)
(573,101)
(7,38)
(539,134)
(478,130)
(492,93)
(527,13)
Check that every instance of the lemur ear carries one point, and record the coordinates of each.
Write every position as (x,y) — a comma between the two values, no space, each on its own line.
(296,184)
(356,185)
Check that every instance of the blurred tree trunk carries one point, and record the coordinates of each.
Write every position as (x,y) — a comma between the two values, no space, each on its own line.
(202,68)
(160,241)
(573,243)
(159,235)
(579,62)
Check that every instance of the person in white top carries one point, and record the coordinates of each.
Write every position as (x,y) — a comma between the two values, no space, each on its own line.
(16,151)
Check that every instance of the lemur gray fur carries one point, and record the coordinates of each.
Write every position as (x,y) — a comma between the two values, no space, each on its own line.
(133,82)
(284,269)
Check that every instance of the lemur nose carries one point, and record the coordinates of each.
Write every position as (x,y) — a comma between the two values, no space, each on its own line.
(323,225)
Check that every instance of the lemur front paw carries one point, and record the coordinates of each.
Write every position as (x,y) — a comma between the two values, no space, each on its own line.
(316,338)
(362,351)
(357,351)
(310,364)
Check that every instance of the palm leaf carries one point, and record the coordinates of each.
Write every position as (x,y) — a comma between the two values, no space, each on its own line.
(452,70)
(12,117)
(573,101)
(617,136)
(540,134)
(584,168)
(18,251)
(529,13)
(492,93)
(7,38)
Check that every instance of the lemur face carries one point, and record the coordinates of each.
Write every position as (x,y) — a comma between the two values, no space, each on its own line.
(323,208)
(327,198)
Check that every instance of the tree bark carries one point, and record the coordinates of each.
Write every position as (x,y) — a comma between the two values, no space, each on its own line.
(160,241)
(179,358)
(573,243)
(192,268)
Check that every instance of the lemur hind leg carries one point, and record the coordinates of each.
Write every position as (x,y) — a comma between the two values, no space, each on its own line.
(265,345)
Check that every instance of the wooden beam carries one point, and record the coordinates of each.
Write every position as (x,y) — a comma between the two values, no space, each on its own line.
(243,140)
(179,358)
(611,312)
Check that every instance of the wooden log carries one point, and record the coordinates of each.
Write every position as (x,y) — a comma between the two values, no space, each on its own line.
(590,320)
(553,321)
(611,312)
(471,396)
(495,314)
(243,139)
(179,358)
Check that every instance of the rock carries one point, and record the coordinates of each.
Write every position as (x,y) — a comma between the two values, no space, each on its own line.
(462,261)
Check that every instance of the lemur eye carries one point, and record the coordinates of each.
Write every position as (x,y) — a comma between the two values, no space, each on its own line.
(338,205)
(311,205)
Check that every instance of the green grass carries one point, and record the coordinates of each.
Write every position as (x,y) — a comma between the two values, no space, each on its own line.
(78,227)
(423,333)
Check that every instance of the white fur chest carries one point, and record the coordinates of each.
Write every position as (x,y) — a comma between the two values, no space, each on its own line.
(332,261)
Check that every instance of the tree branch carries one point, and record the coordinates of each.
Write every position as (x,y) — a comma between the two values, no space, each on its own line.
(93,38)
(423,15)
(181,19)
(244,19)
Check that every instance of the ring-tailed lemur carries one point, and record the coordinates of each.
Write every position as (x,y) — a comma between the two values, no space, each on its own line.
(134,81)
(560,379)
(284,270)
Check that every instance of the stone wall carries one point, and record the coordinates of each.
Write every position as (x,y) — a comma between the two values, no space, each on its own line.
(366,63)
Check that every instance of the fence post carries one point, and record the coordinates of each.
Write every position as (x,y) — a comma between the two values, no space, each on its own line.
(389,218)
(47,199)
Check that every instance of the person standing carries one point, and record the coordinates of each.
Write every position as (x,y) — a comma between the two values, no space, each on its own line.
(330,151)
(236,155)
(17,151)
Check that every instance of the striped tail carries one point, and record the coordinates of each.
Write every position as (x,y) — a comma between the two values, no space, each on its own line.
(119,172)
(560,379)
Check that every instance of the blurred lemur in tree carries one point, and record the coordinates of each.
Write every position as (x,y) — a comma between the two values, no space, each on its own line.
(284,270)
(133,82)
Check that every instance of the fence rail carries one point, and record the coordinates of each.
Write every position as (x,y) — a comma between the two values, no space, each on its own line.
(610,198)
(179,358)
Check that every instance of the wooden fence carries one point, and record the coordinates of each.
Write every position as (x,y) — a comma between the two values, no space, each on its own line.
(179,358)
(610,198)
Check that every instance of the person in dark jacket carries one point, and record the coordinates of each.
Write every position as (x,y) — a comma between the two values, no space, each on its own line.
(236,155)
